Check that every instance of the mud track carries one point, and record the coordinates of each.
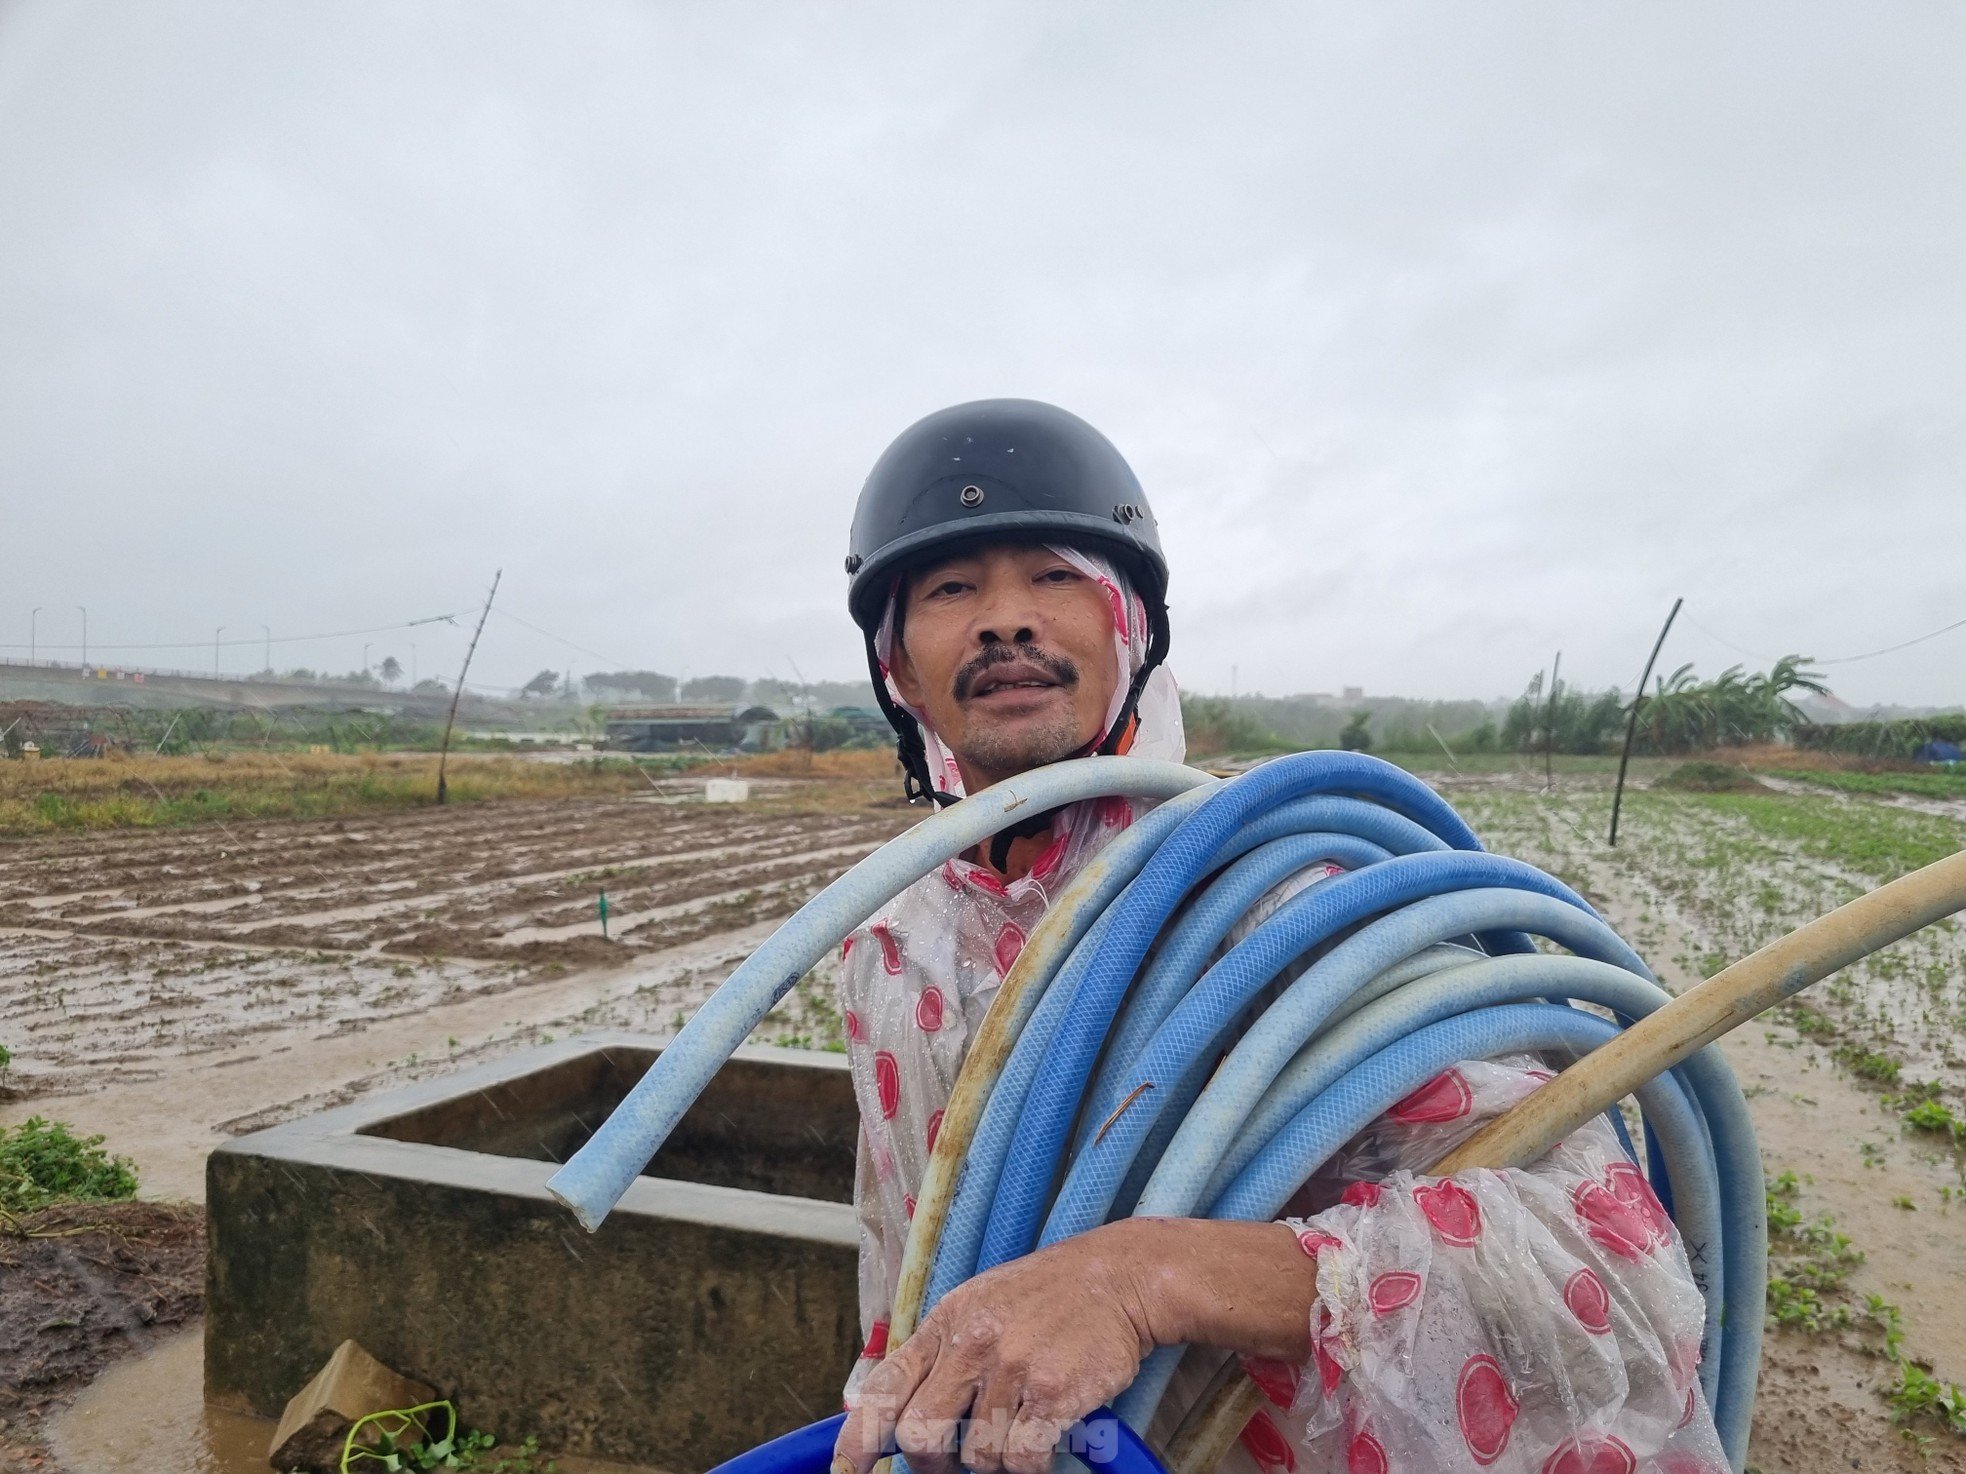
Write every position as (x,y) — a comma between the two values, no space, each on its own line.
(80,1286)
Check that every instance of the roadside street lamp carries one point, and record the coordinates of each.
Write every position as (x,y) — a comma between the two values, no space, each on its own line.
(85,632)
(215,634)
(30,635)
(267,630)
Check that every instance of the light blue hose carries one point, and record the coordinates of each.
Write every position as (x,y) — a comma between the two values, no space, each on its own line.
(1193,1031)
(1153,1072)
(1204,924)
(592,1182)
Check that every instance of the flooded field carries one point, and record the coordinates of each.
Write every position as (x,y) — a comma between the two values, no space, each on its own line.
(172,988)
(1854,1084)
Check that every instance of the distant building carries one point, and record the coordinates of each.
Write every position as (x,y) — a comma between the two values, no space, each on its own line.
(670,728)
(1354,693)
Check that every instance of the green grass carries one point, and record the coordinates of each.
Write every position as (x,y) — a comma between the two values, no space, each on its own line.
(1919,1394)
(1705,777)
(1936,1117)
(1925,783)
(1433,760)
(43,1163)
(1878,840)
(1868,1064)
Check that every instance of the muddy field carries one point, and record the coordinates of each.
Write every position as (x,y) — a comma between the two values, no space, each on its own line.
(1700,879)
(134,958)
(83,1285)
(169,989)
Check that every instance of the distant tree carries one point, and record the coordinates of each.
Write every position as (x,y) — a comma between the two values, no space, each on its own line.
(650,685)
(771,691)
(1357,736)
(392,670)
(430,686)
(542,684)
(1681,714)
(1215,727)
(715,688)
(359,678)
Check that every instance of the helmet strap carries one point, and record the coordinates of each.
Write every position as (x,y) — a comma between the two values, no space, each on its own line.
(1157,642)
(917,785)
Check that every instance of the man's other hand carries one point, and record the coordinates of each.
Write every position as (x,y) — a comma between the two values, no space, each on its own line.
(1010,1360)
(1006,1363)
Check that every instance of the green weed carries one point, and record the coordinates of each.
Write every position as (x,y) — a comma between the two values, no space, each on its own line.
(1919,1394)
(1936,783)
(1935,1116)
(1807,1021)
(44,1162)
(1868,1064)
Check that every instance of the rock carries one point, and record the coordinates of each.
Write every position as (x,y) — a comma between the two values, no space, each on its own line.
(352,1385)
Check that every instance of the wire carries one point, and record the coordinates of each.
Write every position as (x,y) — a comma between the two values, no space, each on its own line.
(254,640)
(1737,649)
(562,639)
(1832,659)
(1901,645)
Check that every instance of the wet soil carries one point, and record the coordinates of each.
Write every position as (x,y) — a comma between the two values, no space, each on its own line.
(171,990)
(80,1286)
(1697,882)
(159,1394)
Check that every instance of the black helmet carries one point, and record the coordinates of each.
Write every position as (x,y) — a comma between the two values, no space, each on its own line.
(998,470)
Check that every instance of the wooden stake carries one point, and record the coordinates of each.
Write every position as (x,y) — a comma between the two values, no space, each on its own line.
(444,752)
(1549,725)
(1631,723)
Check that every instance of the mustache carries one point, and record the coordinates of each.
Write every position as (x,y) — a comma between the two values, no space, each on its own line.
(1058,667)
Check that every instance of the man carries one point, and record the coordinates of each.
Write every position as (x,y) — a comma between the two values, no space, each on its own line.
(1008,576)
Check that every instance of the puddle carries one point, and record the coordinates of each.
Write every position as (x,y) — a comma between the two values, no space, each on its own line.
(148,1415)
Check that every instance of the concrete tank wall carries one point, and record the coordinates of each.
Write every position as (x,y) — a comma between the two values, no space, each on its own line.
(703,1318)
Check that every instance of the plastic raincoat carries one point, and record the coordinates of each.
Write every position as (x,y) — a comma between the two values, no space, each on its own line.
(1542,1320)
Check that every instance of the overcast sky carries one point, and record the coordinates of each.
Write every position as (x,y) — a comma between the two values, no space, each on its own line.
(1441,336)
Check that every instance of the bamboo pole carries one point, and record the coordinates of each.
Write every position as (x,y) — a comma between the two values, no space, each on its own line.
(1631,723)
(444,752)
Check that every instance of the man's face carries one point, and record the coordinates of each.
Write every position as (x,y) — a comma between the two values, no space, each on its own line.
(1009,649)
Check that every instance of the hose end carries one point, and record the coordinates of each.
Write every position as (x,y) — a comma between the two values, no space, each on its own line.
(576,1188)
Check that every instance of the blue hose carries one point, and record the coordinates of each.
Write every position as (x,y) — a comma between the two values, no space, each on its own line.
(592,1182)
(1099,1439)
(1145,1078)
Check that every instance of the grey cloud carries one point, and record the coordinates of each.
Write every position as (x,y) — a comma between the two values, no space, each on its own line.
(1442,336)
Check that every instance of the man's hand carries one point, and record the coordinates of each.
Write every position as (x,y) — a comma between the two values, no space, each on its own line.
(1027,1349)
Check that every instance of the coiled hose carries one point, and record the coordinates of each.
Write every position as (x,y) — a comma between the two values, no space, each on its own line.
(1103,1078)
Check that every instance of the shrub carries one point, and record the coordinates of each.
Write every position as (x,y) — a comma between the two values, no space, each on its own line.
(1215,726)
(1711,778)
(1881,739)
(43,1162)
